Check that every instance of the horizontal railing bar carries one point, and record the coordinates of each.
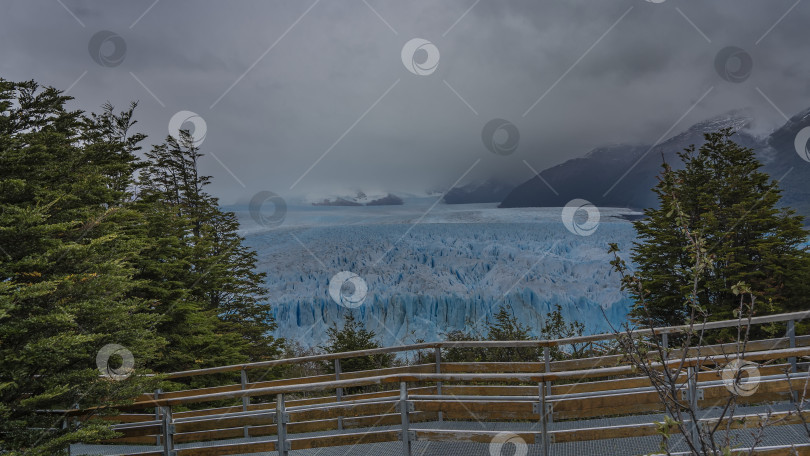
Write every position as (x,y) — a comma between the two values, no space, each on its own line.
(509,378)
(490,344)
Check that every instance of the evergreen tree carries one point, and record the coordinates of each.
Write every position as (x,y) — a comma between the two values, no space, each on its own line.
(734,206)
(199,273)
(353,336)
(65,268)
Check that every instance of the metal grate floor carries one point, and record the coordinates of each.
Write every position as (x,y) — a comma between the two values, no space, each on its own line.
(773,436)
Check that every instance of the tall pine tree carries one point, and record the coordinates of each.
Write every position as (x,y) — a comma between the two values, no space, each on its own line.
(65,267)
(734,206)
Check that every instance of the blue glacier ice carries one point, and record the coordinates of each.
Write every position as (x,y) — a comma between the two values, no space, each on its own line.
(430,271)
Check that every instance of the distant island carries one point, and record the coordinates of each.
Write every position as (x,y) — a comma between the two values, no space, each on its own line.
(387,200)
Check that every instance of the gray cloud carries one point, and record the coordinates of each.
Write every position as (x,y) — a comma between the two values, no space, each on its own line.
(328,69)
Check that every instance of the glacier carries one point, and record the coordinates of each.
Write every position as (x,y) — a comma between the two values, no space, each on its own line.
(431,268)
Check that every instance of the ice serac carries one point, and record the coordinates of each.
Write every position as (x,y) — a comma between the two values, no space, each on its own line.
(456,269)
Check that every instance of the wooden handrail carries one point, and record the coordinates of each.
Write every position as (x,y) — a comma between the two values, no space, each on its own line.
(507,378)
(486,344)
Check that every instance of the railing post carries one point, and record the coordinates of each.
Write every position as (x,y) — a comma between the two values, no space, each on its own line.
(245,399)
(168,431)
(339,391)
(157,414)
(547,360)
(438,354)
(791,334)
(544,419)
(665,344)
(692,373)
(406,422)
(282,445)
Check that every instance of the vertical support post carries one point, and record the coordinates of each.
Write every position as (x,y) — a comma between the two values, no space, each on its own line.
(547,360)
(168,431)
(406,422)
(692,373)
(791,334)
(544,418)
(665,343)
(281,426)
(339,391)
(438,354)
(246,399)
(157,414)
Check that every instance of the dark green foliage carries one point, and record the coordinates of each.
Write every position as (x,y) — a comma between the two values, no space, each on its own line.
(200,275)
(734,207)
(505,327)
(353,336)
(65,267)
(91,256)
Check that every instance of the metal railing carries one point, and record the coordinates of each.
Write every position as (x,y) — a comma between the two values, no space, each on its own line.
(411,404)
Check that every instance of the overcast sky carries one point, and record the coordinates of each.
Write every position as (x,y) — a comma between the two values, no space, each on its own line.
(306,98)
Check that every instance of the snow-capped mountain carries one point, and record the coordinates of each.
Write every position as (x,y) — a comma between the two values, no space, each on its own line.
(621,175)
(489,191)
